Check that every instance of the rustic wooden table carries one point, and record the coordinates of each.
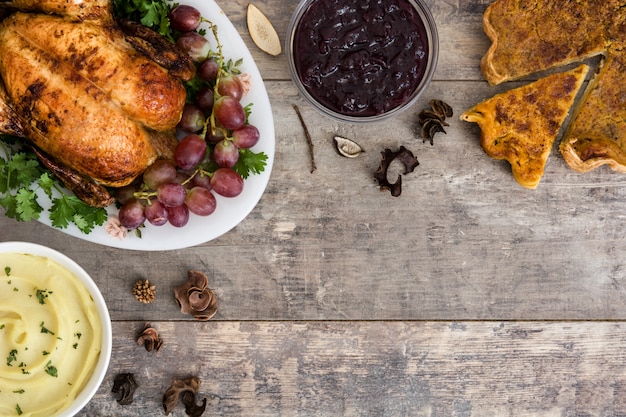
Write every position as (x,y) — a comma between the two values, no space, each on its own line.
(466,296)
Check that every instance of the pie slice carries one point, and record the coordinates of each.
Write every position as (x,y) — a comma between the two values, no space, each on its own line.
(529,36)
(597,134)
(520,125)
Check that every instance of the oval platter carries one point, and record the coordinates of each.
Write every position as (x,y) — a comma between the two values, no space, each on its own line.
(229,211)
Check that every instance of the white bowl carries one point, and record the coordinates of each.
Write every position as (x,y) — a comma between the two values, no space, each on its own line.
(102,363)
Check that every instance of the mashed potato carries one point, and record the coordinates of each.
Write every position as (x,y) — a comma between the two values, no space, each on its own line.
(50,336)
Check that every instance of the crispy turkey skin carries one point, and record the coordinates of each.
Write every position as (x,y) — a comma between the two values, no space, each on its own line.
(81,93)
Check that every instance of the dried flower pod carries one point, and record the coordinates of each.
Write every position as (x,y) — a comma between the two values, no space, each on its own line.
(124,385)
(404,156)
(428,114)
(195,297)
(441,108)
(347,147)
(149,338)
(191,408)
(433,120)
(432,126)
(183,387)
(144,292)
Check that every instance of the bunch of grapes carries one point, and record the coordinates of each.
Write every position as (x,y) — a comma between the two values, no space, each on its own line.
(214,130)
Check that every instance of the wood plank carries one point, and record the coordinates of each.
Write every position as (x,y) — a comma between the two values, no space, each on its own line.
(377,368)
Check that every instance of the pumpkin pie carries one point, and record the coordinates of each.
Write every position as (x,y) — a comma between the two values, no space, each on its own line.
(521,125)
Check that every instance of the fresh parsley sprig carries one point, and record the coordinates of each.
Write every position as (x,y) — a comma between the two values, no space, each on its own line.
(150,13)
(21,179)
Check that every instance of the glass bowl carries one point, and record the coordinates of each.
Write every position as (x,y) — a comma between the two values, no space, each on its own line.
(47,269)
(362,60)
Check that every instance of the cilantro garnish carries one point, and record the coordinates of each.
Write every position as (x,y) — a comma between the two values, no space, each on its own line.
(21,177)
(18,410)
(150,13)
(250,162)
(7,271)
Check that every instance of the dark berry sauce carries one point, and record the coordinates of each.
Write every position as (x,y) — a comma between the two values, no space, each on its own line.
(360,57)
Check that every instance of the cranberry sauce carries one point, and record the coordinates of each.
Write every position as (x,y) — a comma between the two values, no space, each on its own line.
(360,57)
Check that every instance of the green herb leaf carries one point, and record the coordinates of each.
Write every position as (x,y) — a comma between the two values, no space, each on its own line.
(21,176)
(70,209)
(45,330)
(12,357)
(26,205)
(151,13)
(250,163)
(51,370)
(7,270)
(18,410)
(42,295)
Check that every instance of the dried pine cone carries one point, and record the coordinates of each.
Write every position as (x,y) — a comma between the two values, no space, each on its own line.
(144,291)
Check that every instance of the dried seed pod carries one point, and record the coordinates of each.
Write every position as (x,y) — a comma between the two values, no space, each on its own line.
(427,115)
(124,385)
(431,127)
(195,297)
(262,32)
(183,387)
(150,339)
(144,292)
(433,120)
(404,156)
(191,408)
(347,147)
(441,108)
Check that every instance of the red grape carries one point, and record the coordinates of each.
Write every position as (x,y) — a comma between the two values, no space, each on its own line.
(201,180)
(246,136)
(200,201)
(131,214)
(225,153)
(171,194)
(208,69)
(161,171)
(183,179)
(185,18)
(194,45)
(156,213)
(227,182)
(125,194)
(230,85)
(205,99)
(178,216)
(229,112)
(189,151)
(192,119)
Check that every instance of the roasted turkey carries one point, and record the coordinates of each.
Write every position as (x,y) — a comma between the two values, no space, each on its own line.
(97,99)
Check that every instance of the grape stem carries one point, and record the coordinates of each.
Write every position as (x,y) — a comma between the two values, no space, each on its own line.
(220,61)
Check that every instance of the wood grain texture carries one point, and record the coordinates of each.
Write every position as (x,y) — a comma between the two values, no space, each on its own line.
(466,296)
(377,369)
